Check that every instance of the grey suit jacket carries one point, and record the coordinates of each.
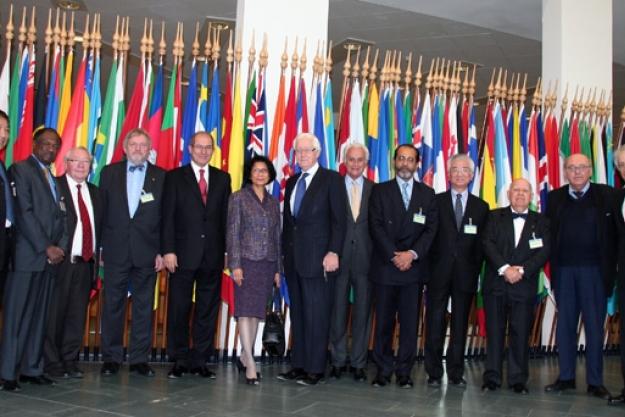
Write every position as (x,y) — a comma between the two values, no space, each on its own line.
(40,219)
(358,246)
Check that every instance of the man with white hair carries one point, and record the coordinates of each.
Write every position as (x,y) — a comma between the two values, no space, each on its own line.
(354,270)
(312,240)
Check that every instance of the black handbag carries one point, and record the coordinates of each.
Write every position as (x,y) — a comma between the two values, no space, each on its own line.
(273,334)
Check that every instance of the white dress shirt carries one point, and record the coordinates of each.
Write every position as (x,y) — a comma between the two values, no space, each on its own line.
(86,197)
(311,173)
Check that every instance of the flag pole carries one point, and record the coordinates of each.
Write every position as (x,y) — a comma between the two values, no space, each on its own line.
(408,75)
(365,71)
(346,72)
(48,41)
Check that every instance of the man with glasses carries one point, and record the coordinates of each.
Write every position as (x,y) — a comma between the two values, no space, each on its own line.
(132,194)
(583,267)
(403,217)
(312,239)
(455,261)
(66,321)
(193,243)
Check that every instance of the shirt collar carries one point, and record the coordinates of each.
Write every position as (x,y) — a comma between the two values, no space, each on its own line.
(72,182)
(583,190)
(358,181)
(464,193)
(41,164)
(129,164)
(522,212)
(401,181)
(312,170)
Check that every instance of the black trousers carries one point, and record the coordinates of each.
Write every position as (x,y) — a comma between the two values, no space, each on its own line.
(67,314)
(402,301)
(621,307)
(207,303)
(310,311)
(118,280)
(501,312)
(26,300)
(8,250)
(437,300)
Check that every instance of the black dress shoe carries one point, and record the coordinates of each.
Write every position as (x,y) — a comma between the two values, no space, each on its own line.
(57,373)
(360,375)
(335,372)
(142,369)
(109,368)
(293,375)
(11,386)
(380,381)
(204,372)
(520,388)
(73,371)
(490,386)
(177,371)
(459,382)
(560,385)
(312,379)
(618,399)
(434,382)
(36,380)
(404,381)
(598,391)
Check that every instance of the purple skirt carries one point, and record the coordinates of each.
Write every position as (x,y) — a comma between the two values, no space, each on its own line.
(250,299)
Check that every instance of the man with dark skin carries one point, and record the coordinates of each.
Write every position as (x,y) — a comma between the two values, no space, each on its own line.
(41,239)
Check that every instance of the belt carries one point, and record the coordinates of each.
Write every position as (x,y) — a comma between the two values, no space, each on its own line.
(79,260)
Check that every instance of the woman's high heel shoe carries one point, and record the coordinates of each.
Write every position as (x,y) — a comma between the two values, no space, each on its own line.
(240,365)
(251,381)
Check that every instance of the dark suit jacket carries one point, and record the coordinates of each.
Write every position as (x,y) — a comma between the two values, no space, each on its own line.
(192,231)
(620,224)
(73,215)
(320,226)
(39,218)
(3,216)
(393,229)
(604,198)
(499,249)
(127,241)
(457,249)
(358,246)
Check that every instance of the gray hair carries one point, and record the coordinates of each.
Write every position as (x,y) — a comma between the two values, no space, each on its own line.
(305,135)
(77,148)
(461,157)
(137,132)
(617,153)
(356,145)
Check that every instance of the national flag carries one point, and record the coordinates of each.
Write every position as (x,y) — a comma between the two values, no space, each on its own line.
(5,81)
(439,178)
(373,172)
(553,151)
(223,141)
(145,100)
(40,100)
(155,115)
(356,124)
(574,140)
(584,138)
(599,166)
(24,142)
(319,125)
(427,142)
(95,108)
(214,119)
(301,112)
(517,150)
(131,121)
(533,159)
(260,132)
(382,161)
(502,163)
(189,118)
(251,145)
(82,132)
(473,151)
(328,120)
(401,134)
(277,136)
(285,156)
(236,145)
(344,128)
(16,96)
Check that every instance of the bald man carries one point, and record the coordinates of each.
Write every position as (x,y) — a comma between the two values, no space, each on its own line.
(583,267)
(516,245)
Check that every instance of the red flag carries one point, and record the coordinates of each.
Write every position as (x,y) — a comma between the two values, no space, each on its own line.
(344,129)
(24,142)
(227,123)
(132,115)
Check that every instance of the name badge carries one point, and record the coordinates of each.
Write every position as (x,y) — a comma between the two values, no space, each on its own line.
(147,197)
(470,229)
(419,217)
(536,243)
(62,205)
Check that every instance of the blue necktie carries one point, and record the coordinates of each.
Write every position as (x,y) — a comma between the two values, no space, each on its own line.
(8,201)
(132,168)
(300,190)
(404,194)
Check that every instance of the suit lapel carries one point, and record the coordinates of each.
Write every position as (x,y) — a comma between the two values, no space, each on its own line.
(528,229)
(364,199)
(508,224)
(122,184)
(315,183)
(42,177)
(189,177)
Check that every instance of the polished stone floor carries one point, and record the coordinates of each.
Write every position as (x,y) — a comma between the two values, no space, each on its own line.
(126,395)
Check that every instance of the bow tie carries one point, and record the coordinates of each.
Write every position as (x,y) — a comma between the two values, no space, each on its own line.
(519,216)
(132,168)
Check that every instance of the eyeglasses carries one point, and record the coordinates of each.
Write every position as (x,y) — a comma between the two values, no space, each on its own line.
(463,170)
(201,148)
(301,151)
(577,168)
(138,145)
(79,161)
(260,171)
(409,159)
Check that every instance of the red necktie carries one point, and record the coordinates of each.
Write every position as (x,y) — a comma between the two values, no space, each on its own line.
(203,186)
(87,236)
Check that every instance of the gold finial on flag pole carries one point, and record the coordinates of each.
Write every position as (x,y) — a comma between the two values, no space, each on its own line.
(22,30)
(294,58)
(491,85)
(48,32)
(97,37)
(365,66)
(116,45)
(523,92)
(434,72)
(162,44)
(217,46)
(472,83)
(229,51)
(9,27)
(207,44)
(498,85)
(303,61)
(264,54)
(71,35)
(515,92)
(150,43)
(373,71)
(465,83)
(85,35)
(251,55)
(503,92)
(418,76)
(408,73)
(238,53)
(284,58)
(428,80)
(356,66)
(143,42)
(195,46)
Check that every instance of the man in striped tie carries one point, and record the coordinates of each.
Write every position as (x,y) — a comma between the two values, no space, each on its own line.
(403,218)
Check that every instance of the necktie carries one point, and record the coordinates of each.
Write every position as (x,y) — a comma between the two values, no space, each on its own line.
(300,190)
(578,194)
(133,168)
(519,216)
(404,194)
(51,183)
(203,186)
(458,211)
(87,235)
(8,201)
(355,198)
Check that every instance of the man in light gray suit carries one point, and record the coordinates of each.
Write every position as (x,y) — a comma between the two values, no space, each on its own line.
(354,270)
(41,241)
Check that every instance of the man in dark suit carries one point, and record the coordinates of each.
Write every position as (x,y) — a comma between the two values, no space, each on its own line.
(583,267)
(403,217)
(354,270)
(455,261)
(193,242)
(7,217)
(68,309)
(132,194)
(516,245)
(619,212)
(312,239)
(41,242)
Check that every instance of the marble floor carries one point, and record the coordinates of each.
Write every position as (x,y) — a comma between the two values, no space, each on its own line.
(126,395)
